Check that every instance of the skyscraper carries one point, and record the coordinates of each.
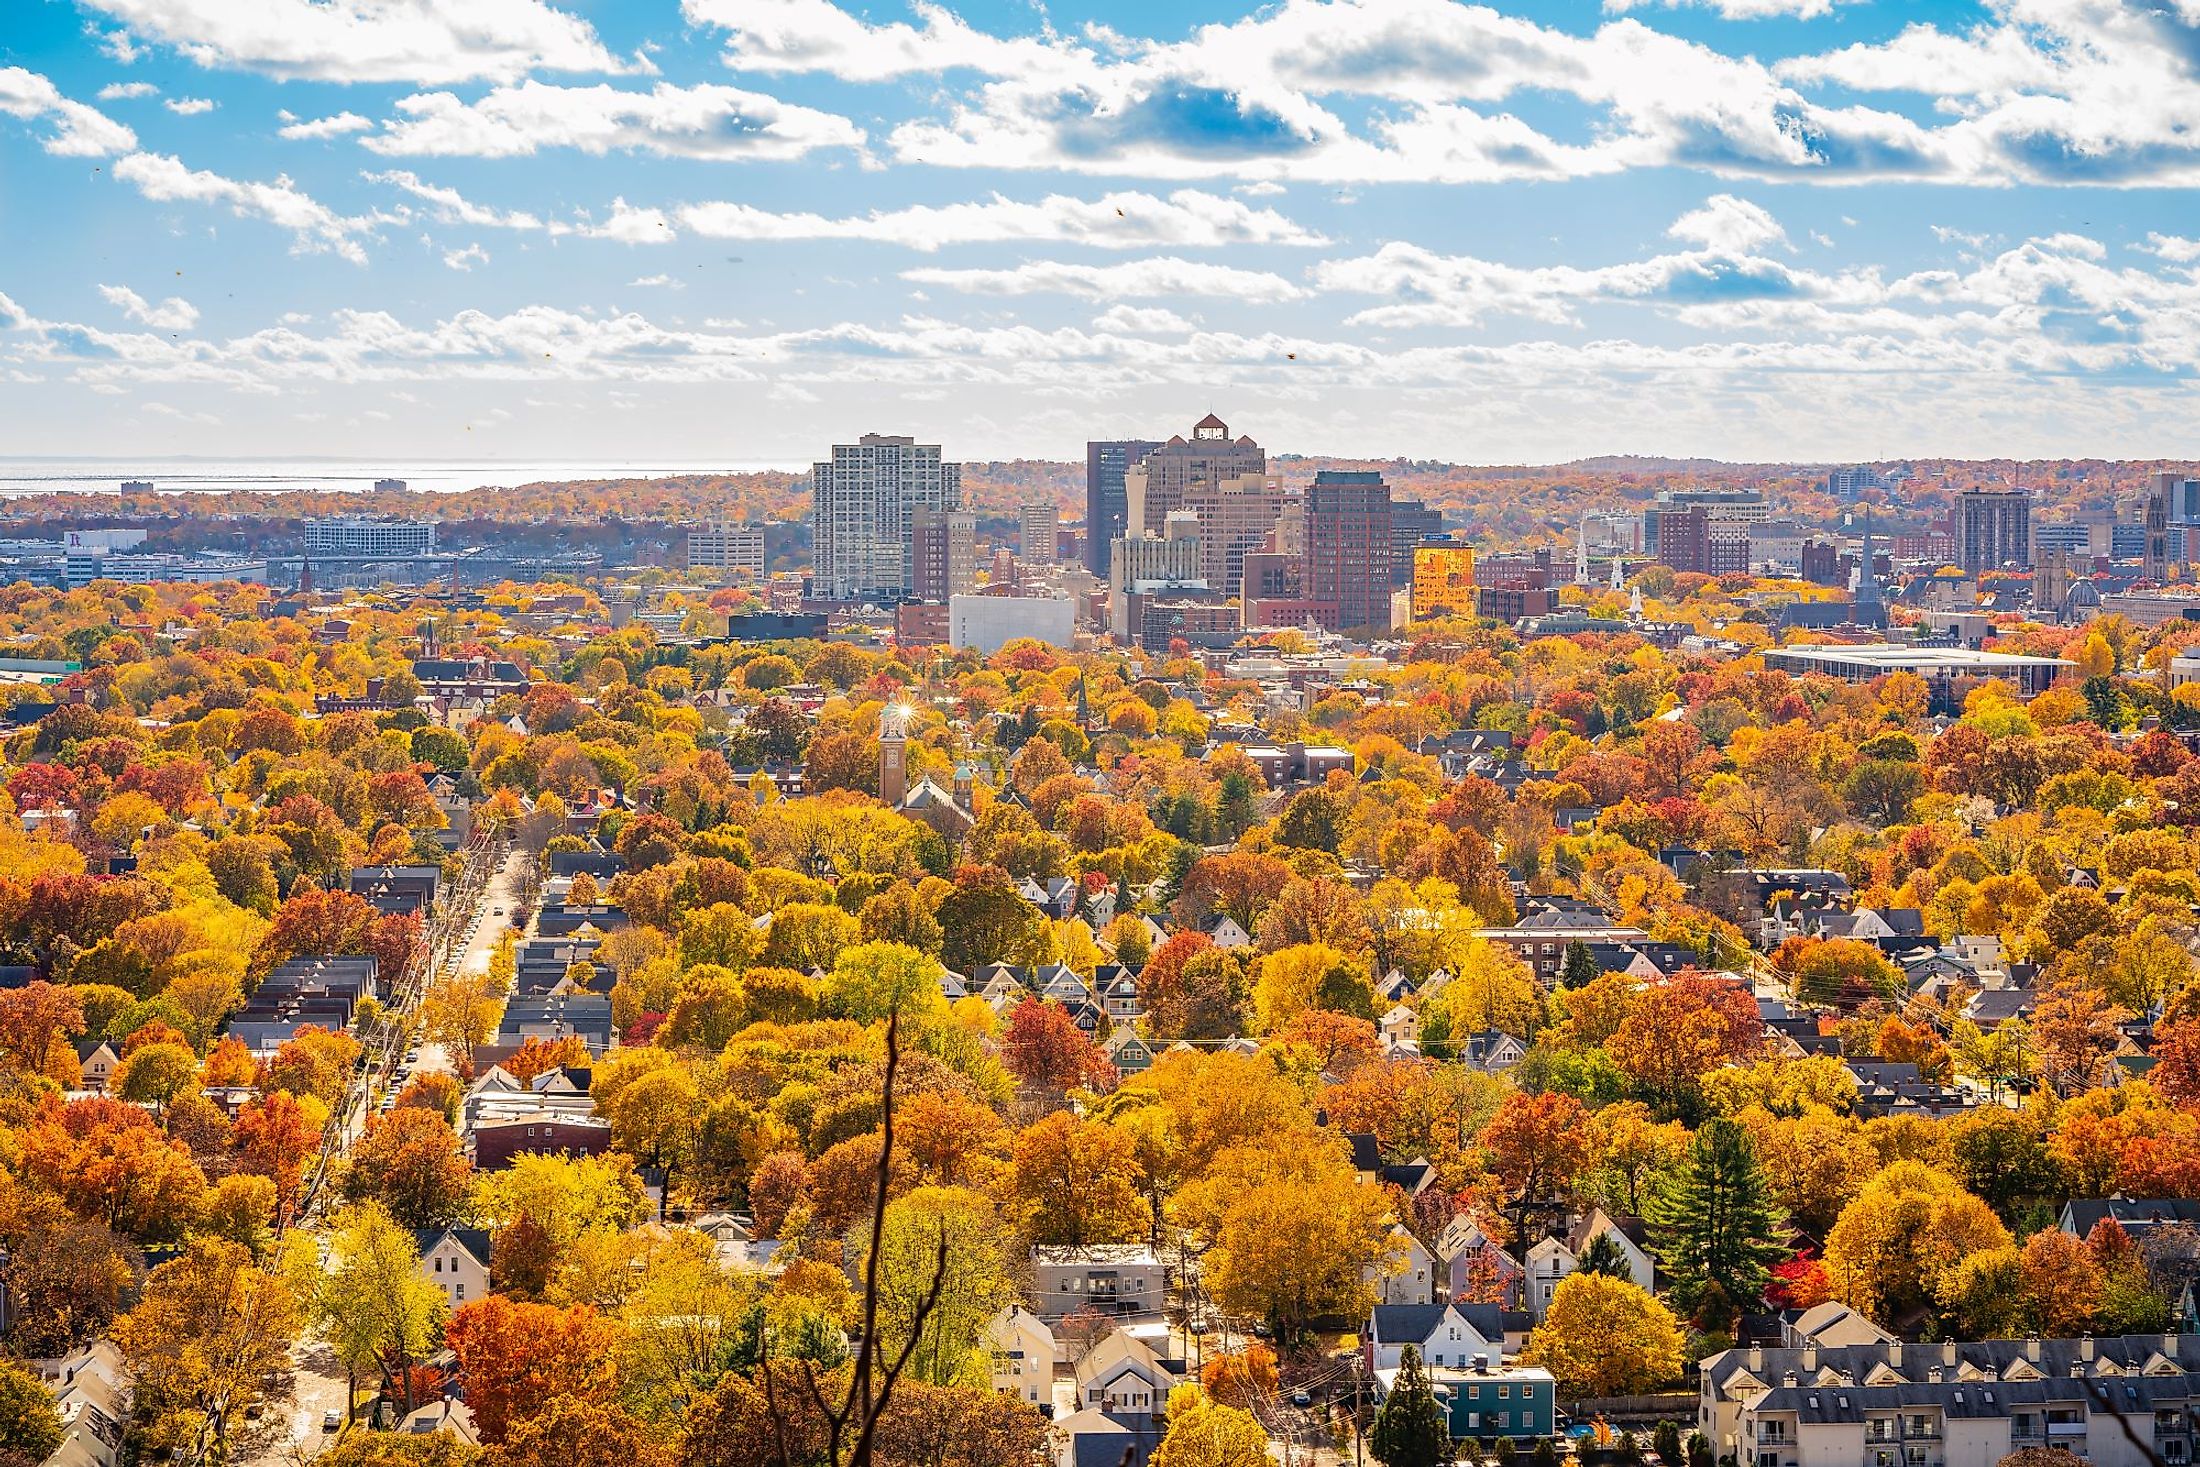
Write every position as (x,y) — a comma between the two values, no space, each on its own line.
(1106,510)
(1993,529)
(1412,523)
(1037,527)
(1157,484)
(1348,549)
(943,553)
(862,505)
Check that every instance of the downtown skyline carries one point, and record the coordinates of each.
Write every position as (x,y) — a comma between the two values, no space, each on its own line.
(736,230)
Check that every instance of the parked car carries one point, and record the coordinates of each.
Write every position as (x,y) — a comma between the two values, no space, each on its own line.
(331,1419)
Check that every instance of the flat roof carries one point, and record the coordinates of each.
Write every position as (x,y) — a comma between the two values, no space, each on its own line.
(1895,656)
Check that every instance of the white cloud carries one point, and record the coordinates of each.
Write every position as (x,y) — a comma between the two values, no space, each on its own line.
(1142,321)
(312,225)
(190,106)
(335,125)
(1160,276)
(1738,9)
(466,258)
(714,122)
(127,91)
(1187,218)
(173,314)
(630,225)
(1947,234)
(2176,250)
(657,282)
(453,208)
(78,131)
(164,410)
(817,35)
(1729,224)
(425,42)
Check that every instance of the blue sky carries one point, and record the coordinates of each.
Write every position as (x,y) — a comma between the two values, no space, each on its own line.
(732,231)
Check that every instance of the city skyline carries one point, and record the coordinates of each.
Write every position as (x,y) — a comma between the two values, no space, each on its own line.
(1757,230)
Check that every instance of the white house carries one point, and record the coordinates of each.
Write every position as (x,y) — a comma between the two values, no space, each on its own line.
(1408,1275)
(455,1260)
(91,1391)
(1124,1377)
(1226,933)
(1445,1334)
(1555,1257)
(1113,1278)
(1400,1026)
(1022,1348)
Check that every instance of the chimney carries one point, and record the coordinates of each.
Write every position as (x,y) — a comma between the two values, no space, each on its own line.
(2085,1348)
(1756,1360)
(2032,1349)
(1948,1352)
(1894,1354)
(1788,1380)
(2169,1346)
(1810,1358)
(1932,1375)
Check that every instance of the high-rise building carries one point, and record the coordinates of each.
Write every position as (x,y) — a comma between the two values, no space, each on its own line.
(1993,530)
(1038,527)
(1106,509)
(1348,549)
(863,501)
(1847,483)
(1443,581)
(726,546)
(943,553)
(1158,483)
(2154,562)
(1694,540)
(1234,516)
(1412,524)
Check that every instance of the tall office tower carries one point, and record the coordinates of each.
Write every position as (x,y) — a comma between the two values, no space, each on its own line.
(862,502)
(1234,517)
(1993,529)
(1158,483)
(1348,549)
(1411,523)
(1038,526)
(943,553)
(1106,509)
(2180,496)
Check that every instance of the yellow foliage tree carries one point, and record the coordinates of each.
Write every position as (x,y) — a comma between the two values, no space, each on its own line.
(1895,1248)
(1605,1337)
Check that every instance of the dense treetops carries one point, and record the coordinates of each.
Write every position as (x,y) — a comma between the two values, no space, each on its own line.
(189,819)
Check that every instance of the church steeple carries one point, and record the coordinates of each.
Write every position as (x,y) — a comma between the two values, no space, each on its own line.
(893,755)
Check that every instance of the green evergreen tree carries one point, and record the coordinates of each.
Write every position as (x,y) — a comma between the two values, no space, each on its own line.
(1579,969)
(1545,1453)
(1604,1255)
(1665,1440)
(1411,1430)
(1505,1454)
(1716,1227)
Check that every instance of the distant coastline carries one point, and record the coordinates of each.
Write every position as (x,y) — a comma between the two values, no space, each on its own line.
(25,474)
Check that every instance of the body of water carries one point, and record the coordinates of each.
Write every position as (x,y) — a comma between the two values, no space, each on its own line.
(277,476)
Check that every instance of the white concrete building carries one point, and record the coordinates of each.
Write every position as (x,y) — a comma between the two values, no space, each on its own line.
(989,623)
(727,547)
(1112,1278)
(862,501)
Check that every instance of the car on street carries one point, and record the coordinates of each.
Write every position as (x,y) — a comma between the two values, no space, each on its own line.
(331,1419)
(1301,1399)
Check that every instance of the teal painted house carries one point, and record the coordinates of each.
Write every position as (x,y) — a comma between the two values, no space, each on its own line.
(1517,1401)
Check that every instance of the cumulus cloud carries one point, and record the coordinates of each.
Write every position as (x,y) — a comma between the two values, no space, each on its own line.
(452,207)
(426,42)
(1187,218)
(313,226)
(712,122)
(335,125)
(173,314)
(127,91)
(77,131)
(817,35)
(466,258)
(190,106)
(1737,9)
(1160,276)
(1730,224)
(1142,321)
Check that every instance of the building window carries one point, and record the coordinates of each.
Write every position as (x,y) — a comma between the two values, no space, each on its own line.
(462,1292)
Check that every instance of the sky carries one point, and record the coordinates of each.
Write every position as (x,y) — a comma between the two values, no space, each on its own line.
(734,232)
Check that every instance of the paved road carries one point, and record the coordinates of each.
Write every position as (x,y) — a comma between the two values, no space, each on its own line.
(317,1377)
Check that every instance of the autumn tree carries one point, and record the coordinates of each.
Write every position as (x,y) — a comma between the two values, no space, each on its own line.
(411,1162)
(519,1359)
(1204,1433)
(371,1301)
(1043,1047)
(1077,1182)
(1538,1146)
(203,1339)
(1892,1252)
(1605,1337)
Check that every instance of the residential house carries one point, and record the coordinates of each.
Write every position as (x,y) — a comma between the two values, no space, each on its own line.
(1400,1025)
(1474,1266)
(1101,1439)
(1492,1051)
(1116,1279)
(2119,1401)
(91,1395)
(1445,1334)
(1225,932)
(1129,1054)
(1556,1257)
(1022,1350)
(2138,1216)
(1123,1376)
(455,1260)
(1490,1399)
(95,1061)
(1408,1275)
(1828,1324)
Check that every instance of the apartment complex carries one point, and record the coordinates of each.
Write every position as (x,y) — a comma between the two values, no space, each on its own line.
(1038,528)
(726,547)
(863,505)
(1993,530)
(1107,513)
(360,537)
(1348,549)
(943,553)
(2112,1402)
